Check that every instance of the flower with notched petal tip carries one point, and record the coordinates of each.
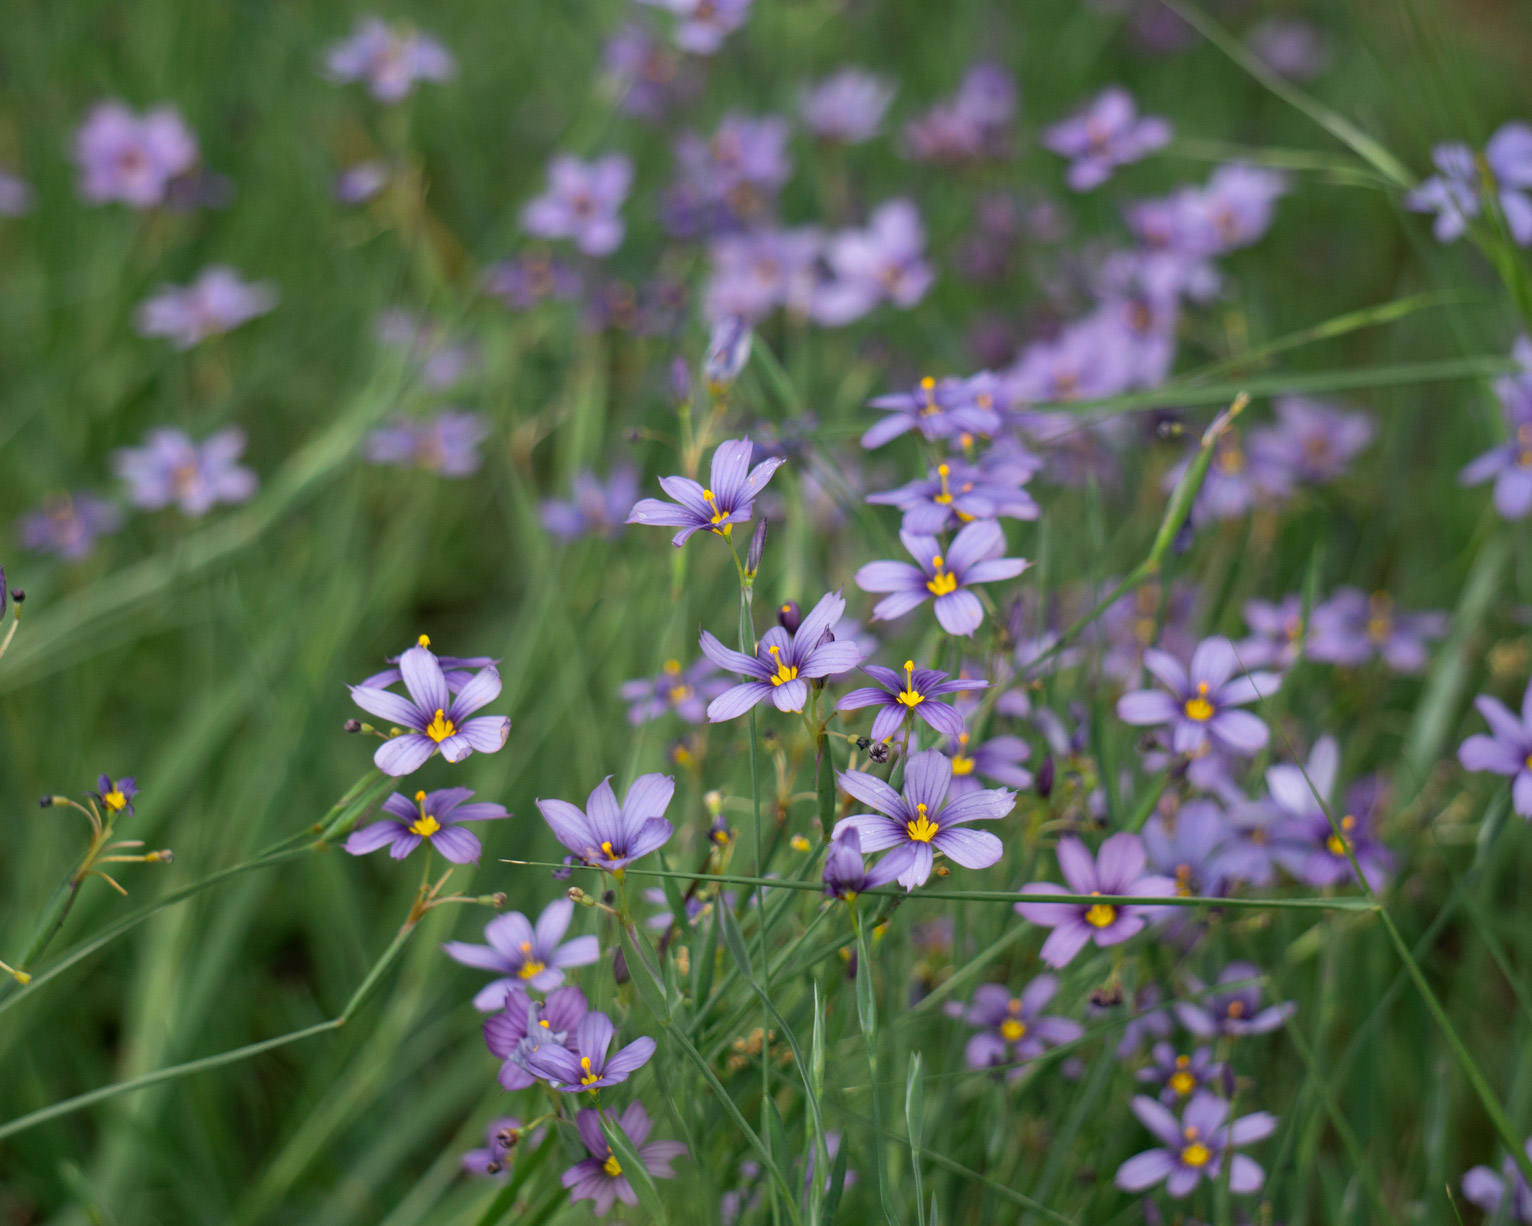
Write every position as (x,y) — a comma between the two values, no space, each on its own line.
(588,1067)
(1202,702)
(1195,1147)
(609,836)
(434,718)
(784,663)
(436,817)
(729,501)
(846,874)
(521,953)
(600,1178)
(973,557)
(915,692)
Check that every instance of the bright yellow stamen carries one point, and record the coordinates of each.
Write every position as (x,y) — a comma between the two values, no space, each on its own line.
(719,515)
(1101,914)
(962,765)
(922,829)
(424,640)
(611,1167)
(799,843)
(1011,1029)
(1338,844)
(115,800)
(531,967)
(943,582)
(1183,1083)
(1199,708)
(928,389)
(945,496)
(910,696)
(1184,880)
(607,848)
(440,728)
(589,1076)
(679,693)
(426,826)
(785,672)
(1196,1154)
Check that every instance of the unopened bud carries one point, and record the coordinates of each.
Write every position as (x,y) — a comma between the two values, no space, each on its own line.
(790,616)
(494,1166)
(880,752)
(943,871)
(862,742)
(497,899)
(619,967)
(507,1137)
(163,856)
(757,548)
(18,595)
(799,843)
(21,977)
(577,895)
(712,801)
(1045,777)
(727,352)
(352,725)
(681,381)
(720,833)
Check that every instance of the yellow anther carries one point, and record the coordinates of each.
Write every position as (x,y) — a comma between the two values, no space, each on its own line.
(1196,1154)
(942,582)
(426,826)
(922,829)
(607,848)
(1183,1083)
(910,696)
(945,496)
(1011,1029)
(1101,914)
(115,800)
(611,1167)
(424,640)
(672,667)
(1199,709)
(440,728)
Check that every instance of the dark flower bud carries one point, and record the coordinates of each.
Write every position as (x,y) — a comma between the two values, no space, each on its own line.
(18,595)
(633,435)
(165,856)
(1105,998)
(789,616)
(757,548)
(507,1138)
(494,1167)
(619,967)
(2,591)
(681,380)
(863,742)
(609,897)
(497,899)
(1045,777)
(353,725)
(880,752)
(47,802)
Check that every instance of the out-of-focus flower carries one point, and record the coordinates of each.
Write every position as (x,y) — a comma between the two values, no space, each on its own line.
(1295,48)
(1238,479)
(1276,633)
(534,276)
(847,107)
(1507,751)
(1202,703)
(129,158)
(1150,1017)
(954,494)
(360,182)
(1235,1012)
(1504,1194)
(728,350)
(729,501)
(972,558)
(755,272)
(846,874)
(1195,1148)
(1012,1029)
(1181,1076)
(1105,135)
(1351,627)
(939,409)
(609,836)
(730,180)
(1453,194)
(433,816)
(432,717)
(492,1161)
(684,691)
(389,60)
(1314,440)
(1247,852)
(1146,617)
(999,758)
(702,25)
(438,360)
(784,663)
(16,195)
(1305,843)
(647,78)
(116,795)
(69,524)
(1118,870)
(218,301)
(599,1178)
(523,1025)
(597,509)
(1185,848)
(582,202)
(885,262)
(1509,465)
(170,468)
(520,953)
(587,1066)
(446,444)
(973,124)
(916,825)
(916,692)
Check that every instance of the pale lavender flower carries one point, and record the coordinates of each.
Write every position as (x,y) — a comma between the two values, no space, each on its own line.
(916,825)
(609,836)
(938,408)
(1351,628)
(1295,48)
(1235,208)
(215,303)
(974,123)
(884,262)
(433,718)
(435,817)
(519,953)
(1509,465)
(973,557)
(493,1160)
(784,663)
(1504,1196)
(446,444)
(1105,135)
(644,74)
(730,501)
(1454,193)
(458,670)
(1144,618)
(1234,1012)
(1185,848)
(1180,1076)
(753,273)
(846,108)
(1202,703)
(1314,440)
(582,202)
(68,525)
(599,1178)
(534,276)
(1248,852)
(360,182)
(597,509)
(16,195)
(1149,1018)
(389,60)
(1305,843)
(132,159)
(1086,361)
(845,872)
(916,692)
(1238,480)
(731,180)
(170,468)
(1117,871)
(523,1025)
(587,1066)
(1277,632)
(1195,1148)
(1012,1029)
(702,25)
(999,758)
(955,493)
(437,360)
(728,350)
(1507,751)
(683,691)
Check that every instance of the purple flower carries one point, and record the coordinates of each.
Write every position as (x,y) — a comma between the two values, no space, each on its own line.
(491,1160)
(215,303)
(701,27)
(846,874)
(973,124)
(1296,49)
(1509,465)
(1350,627)
(1507,751)
(389,60)
(728,350)
(1086,361)
(1180,1076)
(1247,852)
(1107,134)
(1454,193)
(1238,480)
(915,692)
(1236,1012)
(433,816)
(68,525)
(116,796)
(1149,1017)
(1011,1028)
(458,670)
(1304,841)
(731,180)
(645,76)
(1117,871)
(360,182)
(1202,704)
(599,1178)
(846,108)
(1195,1148)
(686,692)
(434,358)
(885,262)
(582,202)
(939,409)
(730,501)
(1504,1194)
(169,467)
(1186,848)
(588,1067)
(972,558)
(608,836)
(998,758)
(520,953)
(124,157)
(783,663)
(446,444)
(597,508)
(432,717)
(753,273)
(16,195)
(1142,618)
(533,276)
(524,1025)
(1314,440)
(954,494)
(917,826)
(1235,208)
(1276,633)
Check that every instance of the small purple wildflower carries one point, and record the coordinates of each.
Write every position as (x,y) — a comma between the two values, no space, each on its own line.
(884,262)
(597,508)
(1236,1012)
(916,825)
(1195,1147)
(783,663)
(582,202)
(1277,633)
(684,691)
(433,816)
(1202,702)
(846,108)
(1314,440)
(1454,193)
(646,77)
(755,272)
(730,180)
(608,836)
(1238,480)
(599,1178)
(1509,464)
(116,796)
(68,525)
(360,182)
(490,1161)
(998,758)
(531,277)
(1146,617)
(1351,627)
(170,468)
(1186,848)
(730,501)
(1305,843)
(702,25)
(954,494)
(728,350)
(846,874)
(435,359)
(520,953)
(1507,750)
(1012,1028)
(446,444)
(1290,46)
(1180,1076)
(1116,871)
(1247,852)
(588,1067)
(939,409)
(916,692)
(973,557)
(215,303)
(523,1025)
(973,124)
(131,159)
(389,60)
(458,670)
(1106,134)
(1149,1017)
(432,717)
(1501,1196)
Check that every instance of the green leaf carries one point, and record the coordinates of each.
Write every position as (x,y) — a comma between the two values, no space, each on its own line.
(641,971)
(914,1121)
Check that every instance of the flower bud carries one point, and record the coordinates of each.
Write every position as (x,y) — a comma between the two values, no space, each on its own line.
(789,616)
(2,591)
(880,752)
(727,352)
(18,595)
(507,1138)
(681,381)
(1045,777)
(165,856)
(619,967)
(577,895)
(757,548)
(352,725)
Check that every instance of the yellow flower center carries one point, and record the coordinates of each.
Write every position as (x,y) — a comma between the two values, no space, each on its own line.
(440,728)
(1196,1154)
(719,515)
(1183,1083)
(928,391)
(1012,1029)
(945,496)
(1101,914)
(962,765)
(611,1167)
(426,826)
(672,668)
(910,696)
(1199,708)
(607,849)
(679,693)
(1340,844)
(424,640)
(530,967)
(1236,1008)
(943,582)
(115,800)
(1184,880)
(922,829)
(589,1076)
(785,672)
